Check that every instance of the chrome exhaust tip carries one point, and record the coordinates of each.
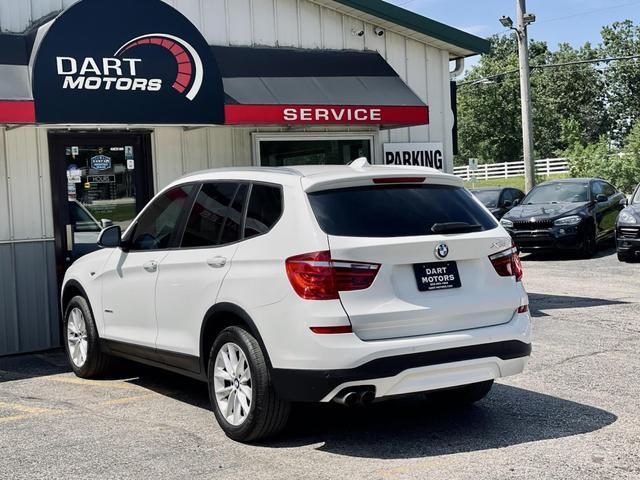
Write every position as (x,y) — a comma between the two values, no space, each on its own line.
(348,398)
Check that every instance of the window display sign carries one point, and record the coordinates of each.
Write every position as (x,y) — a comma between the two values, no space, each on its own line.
(101,162)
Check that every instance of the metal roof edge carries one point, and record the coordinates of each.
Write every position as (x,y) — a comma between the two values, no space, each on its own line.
(420,24)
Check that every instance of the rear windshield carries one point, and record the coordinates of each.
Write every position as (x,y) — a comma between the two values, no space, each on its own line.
(395,210)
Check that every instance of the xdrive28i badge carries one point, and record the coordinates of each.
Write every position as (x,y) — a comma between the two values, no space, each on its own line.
(442,251)
(151,65)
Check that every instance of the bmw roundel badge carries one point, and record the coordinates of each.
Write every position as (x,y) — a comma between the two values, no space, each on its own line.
(442,250)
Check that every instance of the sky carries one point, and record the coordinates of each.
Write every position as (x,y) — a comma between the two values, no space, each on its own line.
(571,21)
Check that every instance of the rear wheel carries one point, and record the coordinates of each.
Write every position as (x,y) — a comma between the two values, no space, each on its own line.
(82,341)
(244,402)
(464,395)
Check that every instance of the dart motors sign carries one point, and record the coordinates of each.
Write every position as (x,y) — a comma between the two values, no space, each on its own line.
(126,61)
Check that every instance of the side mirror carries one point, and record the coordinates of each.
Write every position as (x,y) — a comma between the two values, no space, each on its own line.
(106,223)
(110,237)
(624,202)
(601,198)
(516,202)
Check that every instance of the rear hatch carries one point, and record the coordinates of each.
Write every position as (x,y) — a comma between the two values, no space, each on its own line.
(433,242)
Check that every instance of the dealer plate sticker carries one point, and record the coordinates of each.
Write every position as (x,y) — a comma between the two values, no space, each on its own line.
(437,276)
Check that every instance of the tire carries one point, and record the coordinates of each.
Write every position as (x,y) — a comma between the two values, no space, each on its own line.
(589,244)
(267,414)
(81,340)
(464,395)
(626,258)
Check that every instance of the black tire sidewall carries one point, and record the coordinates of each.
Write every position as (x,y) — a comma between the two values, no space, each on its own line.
(93,342)
(259,381)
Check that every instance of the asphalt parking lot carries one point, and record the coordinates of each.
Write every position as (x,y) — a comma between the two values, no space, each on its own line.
(574,413)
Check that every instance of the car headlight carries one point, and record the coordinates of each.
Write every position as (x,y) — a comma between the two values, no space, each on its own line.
(568,221)
(506,223)
(626,217)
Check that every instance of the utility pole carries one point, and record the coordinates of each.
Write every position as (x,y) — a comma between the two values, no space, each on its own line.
(524,20)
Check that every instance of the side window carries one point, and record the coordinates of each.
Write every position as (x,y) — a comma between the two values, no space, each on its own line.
(214,220)
(506,196)
(608,189)
(154,229)
(264,210)
(517,195)
(596,189)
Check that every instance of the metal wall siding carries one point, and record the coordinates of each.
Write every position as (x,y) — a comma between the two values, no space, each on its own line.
(29,319)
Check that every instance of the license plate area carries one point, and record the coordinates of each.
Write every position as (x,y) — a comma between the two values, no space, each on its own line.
(437,276)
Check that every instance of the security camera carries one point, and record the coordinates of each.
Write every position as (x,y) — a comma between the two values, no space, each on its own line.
(358,32)
(378,31)
(529,18)
(506,21)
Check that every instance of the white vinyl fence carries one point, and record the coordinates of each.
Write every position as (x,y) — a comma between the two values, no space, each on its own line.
(546,167)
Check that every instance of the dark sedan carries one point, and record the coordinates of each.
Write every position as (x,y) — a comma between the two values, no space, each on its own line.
(572,214)
(628,230)
(498,200)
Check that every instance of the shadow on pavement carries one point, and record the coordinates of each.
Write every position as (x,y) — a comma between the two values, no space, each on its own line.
(413,427)
(539,302)
(605,250)
(20,367)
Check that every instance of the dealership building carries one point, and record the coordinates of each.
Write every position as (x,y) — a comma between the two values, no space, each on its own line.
(104,102)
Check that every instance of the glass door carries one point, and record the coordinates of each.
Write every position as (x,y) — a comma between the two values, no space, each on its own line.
(99,180)
(101,192)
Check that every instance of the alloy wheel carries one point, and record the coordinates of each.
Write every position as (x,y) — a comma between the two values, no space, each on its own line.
(77,337)
(232,384)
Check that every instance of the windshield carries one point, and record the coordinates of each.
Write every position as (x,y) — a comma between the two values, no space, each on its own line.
(636,197)
(398,211)
(489,198)
(564,192)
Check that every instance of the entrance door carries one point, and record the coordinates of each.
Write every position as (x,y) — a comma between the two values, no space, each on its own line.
(99,179)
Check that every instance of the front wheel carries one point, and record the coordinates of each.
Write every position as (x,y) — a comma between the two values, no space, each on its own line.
(82,343)
(589,244)
(243,399)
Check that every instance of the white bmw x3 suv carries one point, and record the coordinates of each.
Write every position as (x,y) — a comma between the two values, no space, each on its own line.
(308,284)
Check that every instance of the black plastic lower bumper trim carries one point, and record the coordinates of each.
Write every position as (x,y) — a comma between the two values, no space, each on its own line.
(314,385)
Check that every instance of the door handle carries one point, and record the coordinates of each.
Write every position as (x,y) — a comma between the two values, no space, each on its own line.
(217,262)
(151,266)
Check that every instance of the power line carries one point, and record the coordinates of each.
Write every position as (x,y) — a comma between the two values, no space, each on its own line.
(549,65)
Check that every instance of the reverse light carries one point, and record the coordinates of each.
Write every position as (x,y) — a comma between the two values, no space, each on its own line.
(568,221)
(507,263)
(316,276)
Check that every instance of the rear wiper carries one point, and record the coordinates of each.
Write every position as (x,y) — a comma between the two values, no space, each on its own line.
(455,227)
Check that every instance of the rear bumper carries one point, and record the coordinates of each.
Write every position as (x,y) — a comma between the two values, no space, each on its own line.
(407,373)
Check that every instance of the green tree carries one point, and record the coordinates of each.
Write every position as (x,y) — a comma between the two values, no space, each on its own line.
(622,77)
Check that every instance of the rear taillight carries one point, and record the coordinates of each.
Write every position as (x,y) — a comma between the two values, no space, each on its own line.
(316,276)
(507,263)
(523,309)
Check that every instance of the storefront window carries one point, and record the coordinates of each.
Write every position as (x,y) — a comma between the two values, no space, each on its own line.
(284,153)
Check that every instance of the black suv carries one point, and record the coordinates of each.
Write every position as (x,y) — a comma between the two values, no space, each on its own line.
(572,214)
(498,200)
(628,230)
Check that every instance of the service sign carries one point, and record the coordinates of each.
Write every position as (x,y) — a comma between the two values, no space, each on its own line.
(126,61)
(415,154)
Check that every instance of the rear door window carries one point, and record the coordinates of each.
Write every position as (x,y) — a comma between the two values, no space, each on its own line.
(396,210)
(207,220)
